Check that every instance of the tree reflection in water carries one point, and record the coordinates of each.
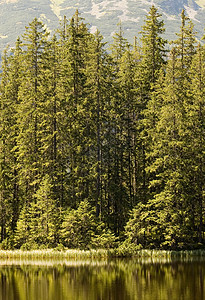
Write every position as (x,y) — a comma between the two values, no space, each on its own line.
(102,280)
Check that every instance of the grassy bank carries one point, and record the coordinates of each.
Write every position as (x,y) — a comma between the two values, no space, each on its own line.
(53,254)
(96,254)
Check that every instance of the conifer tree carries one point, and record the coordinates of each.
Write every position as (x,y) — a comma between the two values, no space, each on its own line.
(185,47)
(64,92)
(30,101)
(153,55)
(116,192)
(78,227)
(4,147)
(170,165)
(195,114)
(76,127)
(96,96)
(10,82)
(128,119)
(22,232)
(44,215)
(153,51)
(51,111)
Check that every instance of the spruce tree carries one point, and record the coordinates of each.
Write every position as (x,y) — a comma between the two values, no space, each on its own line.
(96,96)
(4,147)
(153,61)
(10,193)
(195,115)
(129,129)
(153,51)
(76,130)
(170,166)
(29,109)
(44,216)
(117,192)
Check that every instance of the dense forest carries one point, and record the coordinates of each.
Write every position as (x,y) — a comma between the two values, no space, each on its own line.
(103,145)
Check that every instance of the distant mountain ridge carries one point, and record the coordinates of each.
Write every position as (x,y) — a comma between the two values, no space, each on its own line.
(101,14)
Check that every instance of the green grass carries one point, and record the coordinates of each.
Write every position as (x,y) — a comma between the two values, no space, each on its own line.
(96,254)
(53,254)
(160,253)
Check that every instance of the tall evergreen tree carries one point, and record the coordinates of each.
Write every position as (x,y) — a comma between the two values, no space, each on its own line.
(170,165)
(10,83)
(129,128)
(149,70)
(29,110)
(50,110)
(195,114)
(153,52)
(96,96)
(117,192)
(77,113)
(4,147)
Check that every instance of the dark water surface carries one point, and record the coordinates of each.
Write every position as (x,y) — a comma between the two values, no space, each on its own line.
(102,280)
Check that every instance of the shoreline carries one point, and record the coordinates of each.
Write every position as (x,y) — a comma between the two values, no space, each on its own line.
(98,254)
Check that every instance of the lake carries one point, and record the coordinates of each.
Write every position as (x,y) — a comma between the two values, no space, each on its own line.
(120,279)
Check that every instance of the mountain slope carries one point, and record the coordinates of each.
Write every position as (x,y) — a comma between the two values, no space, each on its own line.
(101,14)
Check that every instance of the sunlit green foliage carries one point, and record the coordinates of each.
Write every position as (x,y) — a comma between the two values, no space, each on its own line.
(99,145)
(81,229)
